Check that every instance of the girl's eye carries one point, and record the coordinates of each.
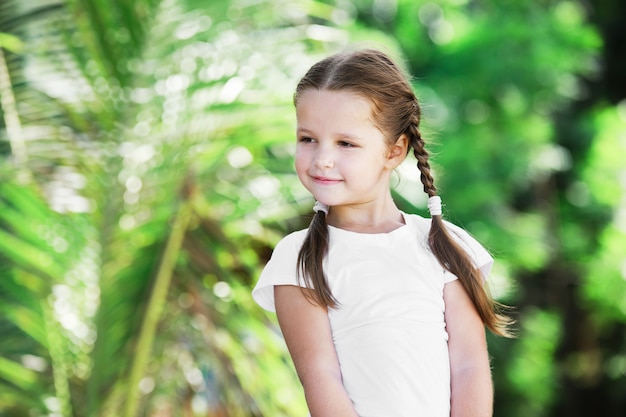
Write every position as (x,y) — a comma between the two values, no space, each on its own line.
(345,144)
(306,139)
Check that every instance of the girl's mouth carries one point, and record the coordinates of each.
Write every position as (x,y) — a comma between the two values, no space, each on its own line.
(325,180)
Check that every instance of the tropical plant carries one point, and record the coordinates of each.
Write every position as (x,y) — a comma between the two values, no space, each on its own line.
(131,201)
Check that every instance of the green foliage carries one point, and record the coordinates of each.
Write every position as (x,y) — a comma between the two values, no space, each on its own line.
(125,287)
(604,283)
(146,172)
(532,372)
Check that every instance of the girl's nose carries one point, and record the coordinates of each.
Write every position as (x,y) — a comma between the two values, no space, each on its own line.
(324,161)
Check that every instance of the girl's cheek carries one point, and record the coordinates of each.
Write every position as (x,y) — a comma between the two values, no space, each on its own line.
(299,162)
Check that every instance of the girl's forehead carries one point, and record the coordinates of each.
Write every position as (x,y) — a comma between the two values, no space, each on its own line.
(336,113)
(328,94)
(339,100)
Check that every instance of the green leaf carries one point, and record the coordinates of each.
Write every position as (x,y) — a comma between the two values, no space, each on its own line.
(17,374)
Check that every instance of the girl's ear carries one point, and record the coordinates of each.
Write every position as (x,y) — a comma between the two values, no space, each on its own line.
(398,152)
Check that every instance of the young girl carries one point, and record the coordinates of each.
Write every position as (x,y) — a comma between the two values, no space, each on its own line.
(383,312)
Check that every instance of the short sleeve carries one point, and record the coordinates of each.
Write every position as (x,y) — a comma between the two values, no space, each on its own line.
(479,255)
(281,269)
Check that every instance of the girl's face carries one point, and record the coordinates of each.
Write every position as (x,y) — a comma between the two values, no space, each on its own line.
(341,156)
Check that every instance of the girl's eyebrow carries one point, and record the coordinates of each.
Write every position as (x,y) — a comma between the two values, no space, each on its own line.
(341,135)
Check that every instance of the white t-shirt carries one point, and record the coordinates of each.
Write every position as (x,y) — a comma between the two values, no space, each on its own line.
(389,330)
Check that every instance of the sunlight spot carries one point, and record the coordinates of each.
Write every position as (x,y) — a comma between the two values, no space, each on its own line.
(222,290)
(441,32)
(285,396)
(82,370)
(239,157)
(515,102)
(190,28)
(248,72)
(343,16)
(569,13)
(553,158)
(252,343)
(200,405)
(253,227)
(125,148)
(500,283)
(476,111)
(231,90)
(35,363)
(62,191)
(139,154)
(409,184)
(127,222)
(146,385)
(384,10)
(324,33)
(142,129)
(436,112)
(52,403)
(188,65)
(229,67)
(264,186)
(141,95)
(131,198)
(210,73)
(430,13)
(78,204)
(176,83)
(222,338)
(133,184)
(195,379)
(92,298)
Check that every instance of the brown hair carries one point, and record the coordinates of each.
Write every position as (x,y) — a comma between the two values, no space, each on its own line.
(395,111)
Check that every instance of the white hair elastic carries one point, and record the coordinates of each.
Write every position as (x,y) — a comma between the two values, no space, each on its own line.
(434,206)
(320,207)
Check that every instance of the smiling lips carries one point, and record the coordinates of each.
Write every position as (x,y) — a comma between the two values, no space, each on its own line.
(325,180)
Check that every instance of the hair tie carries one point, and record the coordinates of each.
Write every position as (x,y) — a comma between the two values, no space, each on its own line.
(434,205)
(320,207)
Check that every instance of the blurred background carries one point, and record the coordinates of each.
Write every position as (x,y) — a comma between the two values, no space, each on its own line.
(146,172)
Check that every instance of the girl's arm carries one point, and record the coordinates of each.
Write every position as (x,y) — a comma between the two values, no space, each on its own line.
(471,386)
(306,329)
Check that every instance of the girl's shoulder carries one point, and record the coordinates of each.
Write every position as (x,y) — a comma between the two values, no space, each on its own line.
(422,224)
(416,221)
(477,252)
(292,240)
(281,269)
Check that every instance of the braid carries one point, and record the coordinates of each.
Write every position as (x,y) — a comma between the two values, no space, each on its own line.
(448,252)
(421,154)
(310,263)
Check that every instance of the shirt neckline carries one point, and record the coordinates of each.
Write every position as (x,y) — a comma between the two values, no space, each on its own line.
(361,237)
